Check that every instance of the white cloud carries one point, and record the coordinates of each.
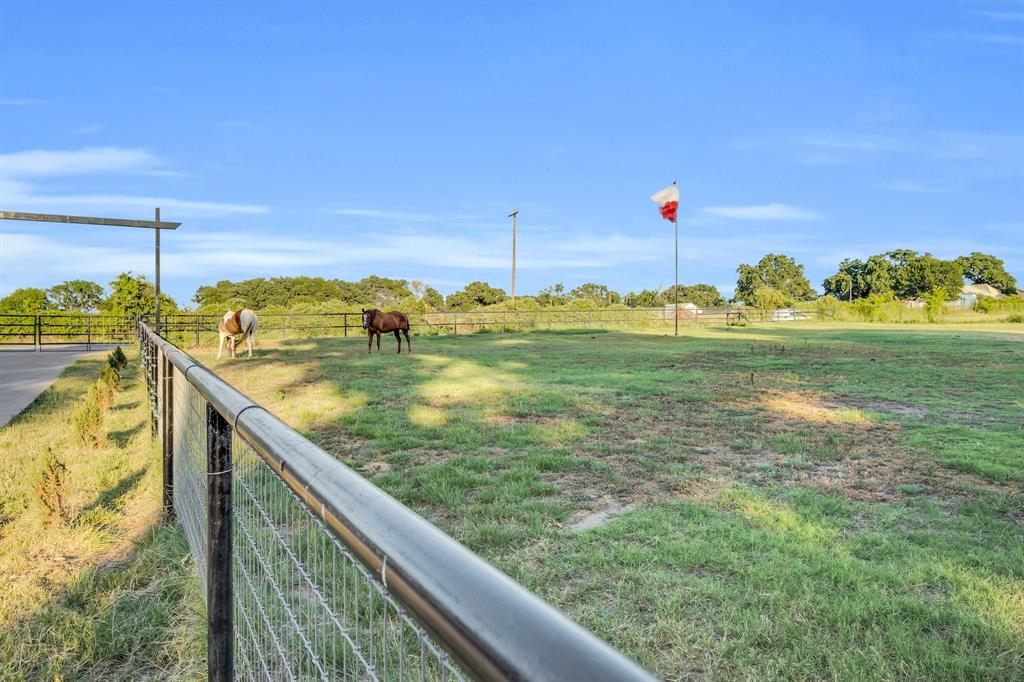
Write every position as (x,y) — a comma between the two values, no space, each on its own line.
(17,193)
(19,102)
(385,214)
(45,163)
(1017,17)
(920,187)
(772,211)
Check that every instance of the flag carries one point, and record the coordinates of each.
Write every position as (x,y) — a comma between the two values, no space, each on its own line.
(668,198)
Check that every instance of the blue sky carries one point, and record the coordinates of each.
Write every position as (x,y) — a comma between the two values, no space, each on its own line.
(348,139)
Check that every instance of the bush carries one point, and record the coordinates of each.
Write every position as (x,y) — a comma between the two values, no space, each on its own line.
(88,419)
(874,307)
(118,359)
(51,487)
(1016,317)
(110,377)
(826,306)
(934,302)
(104,394)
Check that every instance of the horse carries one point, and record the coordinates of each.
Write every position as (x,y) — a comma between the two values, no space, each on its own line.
(376,322)
(242,322)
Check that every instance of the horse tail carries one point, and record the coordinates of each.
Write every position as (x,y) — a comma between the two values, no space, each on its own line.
(249,322)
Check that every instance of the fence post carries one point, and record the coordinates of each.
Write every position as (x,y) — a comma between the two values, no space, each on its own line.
(167,419)
(344,321)
(197,330)
(219,597)
(455,316)
(88,333)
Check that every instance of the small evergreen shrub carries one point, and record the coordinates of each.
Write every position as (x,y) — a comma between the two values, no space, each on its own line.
(110,377)
(88,420)
(51,487)
(104,394)
(119,358)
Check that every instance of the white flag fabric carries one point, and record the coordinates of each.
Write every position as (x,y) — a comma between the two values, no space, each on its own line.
(666,195)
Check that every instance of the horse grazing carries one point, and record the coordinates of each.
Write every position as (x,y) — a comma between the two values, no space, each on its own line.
(242,322)
(376,322)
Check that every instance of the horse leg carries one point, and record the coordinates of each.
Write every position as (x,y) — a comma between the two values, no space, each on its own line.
(369,341)
(248,343)
(399,339)
(378,341)
(407,341)
(220,346)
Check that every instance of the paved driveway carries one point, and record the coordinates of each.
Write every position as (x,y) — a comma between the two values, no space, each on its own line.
(26,374)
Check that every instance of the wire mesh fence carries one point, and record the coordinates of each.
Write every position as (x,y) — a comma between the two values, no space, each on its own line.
(301,595)
(312,573)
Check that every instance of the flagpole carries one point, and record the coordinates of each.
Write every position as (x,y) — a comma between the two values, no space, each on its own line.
(675,222)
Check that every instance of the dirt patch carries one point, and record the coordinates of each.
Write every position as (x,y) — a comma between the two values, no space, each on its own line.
(877,405)
(592,518)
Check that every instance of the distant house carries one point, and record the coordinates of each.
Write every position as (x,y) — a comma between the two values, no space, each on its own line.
(980,291)
(687,311)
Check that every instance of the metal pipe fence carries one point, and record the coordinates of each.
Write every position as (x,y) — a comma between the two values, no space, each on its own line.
(310,572)
(47,331)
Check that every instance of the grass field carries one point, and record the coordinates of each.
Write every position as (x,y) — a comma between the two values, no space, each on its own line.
(784,502)
(108,593)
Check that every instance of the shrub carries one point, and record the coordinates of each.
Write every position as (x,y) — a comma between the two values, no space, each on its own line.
(51,487)
(104,394)
(1016,317)
(874,308)
(826,306)
(88,419)
(119,358)
(934,302)
(110,377)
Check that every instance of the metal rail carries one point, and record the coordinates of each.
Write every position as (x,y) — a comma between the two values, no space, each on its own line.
(417,578)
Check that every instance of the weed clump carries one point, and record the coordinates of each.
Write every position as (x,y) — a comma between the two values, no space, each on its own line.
(88,419)
(51,487)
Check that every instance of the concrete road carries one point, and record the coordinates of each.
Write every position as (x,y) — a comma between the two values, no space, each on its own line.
(26,374)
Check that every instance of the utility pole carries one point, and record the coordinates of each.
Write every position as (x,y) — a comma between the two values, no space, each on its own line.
(157,284)
(676,224)
(154,225)
(512,215)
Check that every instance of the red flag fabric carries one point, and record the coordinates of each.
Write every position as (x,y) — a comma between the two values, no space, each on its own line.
(668,202)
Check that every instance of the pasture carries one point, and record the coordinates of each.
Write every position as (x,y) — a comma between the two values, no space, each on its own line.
(772,502)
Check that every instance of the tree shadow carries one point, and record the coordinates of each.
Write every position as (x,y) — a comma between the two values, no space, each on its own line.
(109,498)
(123,437)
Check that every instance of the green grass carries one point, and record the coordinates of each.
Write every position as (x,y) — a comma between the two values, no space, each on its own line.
(109,594)
(783,502)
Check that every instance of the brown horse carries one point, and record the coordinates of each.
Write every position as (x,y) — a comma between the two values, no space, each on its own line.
(376,322)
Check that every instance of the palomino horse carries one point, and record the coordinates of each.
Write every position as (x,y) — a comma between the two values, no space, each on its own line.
(376,322)
(242,322)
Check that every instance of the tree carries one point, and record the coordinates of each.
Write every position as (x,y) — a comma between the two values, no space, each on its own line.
(768,299)
(459,301)
(774,271)
(595,292)
(552,295)
(433,298)
(857,279)
(25,301)
(981,268)
(701,295)
(76,295)
(480,294)
(928,274)
(647,298)
(133,295)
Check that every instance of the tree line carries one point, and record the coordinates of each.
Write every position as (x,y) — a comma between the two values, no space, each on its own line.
(774,281)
